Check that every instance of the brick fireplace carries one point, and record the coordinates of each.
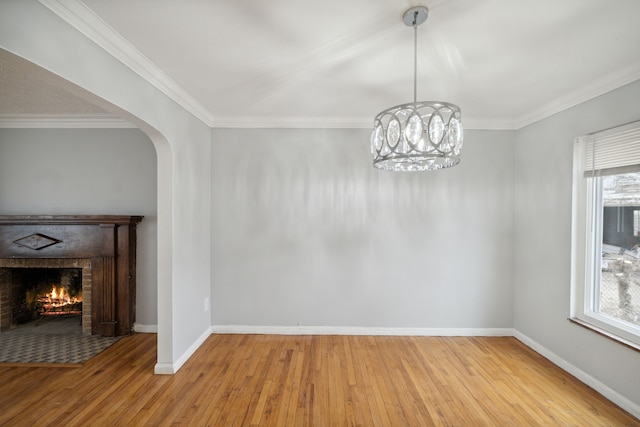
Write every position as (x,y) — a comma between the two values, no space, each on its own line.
(103,247)
(10,284)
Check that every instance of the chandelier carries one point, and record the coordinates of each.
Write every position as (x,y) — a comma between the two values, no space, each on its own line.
(417,136)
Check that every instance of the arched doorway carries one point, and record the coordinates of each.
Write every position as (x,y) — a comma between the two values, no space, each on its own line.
(123,121)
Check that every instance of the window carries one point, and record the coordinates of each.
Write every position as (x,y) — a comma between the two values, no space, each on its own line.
(606,232)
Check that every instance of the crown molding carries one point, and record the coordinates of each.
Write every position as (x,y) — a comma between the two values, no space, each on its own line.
(479,123)
(583,94)
(294,122)
(108,121)
(83,19)
(63,121)
(338,123)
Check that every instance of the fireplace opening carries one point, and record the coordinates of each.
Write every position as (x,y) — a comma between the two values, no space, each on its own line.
(38,291)
(44,294)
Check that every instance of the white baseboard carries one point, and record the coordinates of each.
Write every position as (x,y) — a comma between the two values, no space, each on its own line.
(615,397)
(163,369)
(145,329)
(172,368)
(356,330)
(607,392)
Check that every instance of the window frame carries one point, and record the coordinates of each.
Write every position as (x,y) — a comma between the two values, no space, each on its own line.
(587,213)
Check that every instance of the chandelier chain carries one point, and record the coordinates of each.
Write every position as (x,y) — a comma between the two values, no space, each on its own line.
(415,58)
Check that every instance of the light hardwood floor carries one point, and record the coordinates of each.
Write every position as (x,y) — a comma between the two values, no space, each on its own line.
(309,381)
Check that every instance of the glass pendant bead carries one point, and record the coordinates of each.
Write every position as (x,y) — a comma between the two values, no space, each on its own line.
(376,139)
(436,128)
(393,133)
(455,132)
(413,132)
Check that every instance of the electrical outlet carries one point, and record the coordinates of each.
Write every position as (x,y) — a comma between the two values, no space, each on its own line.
(206,304)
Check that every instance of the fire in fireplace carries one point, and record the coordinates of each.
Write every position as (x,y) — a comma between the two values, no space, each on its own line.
(57,302)
(46,292)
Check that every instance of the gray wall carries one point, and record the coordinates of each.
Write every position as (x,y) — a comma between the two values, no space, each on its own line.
(67,58)
(544,156)
(306,231)
(90,171)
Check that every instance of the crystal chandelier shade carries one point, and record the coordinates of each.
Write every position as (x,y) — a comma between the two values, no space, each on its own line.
(417,136)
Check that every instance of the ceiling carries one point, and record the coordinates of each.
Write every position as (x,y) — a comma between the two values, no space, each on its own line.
(338,63)
(22,92)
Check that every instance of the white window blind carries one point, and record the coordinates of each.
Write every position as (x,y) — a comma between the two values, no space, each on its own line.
(611,152)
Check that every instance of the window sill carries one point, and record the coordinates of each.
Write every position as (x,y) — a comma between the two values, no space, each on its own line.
(605,333)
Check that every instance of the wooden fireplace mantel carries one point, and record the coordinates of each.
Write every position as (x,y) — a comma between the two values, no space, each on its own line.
(69,219)
(108,240)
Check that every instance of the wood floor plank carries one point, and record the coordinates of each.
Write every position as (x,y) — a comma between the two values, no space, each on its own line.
(241,380)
